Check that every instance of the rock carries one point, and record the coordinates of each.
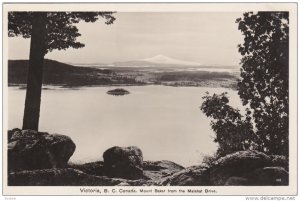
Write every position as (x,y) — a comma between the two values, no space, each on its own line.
(162,165)
(58,177)
(238,164)
(29,150)
(123,184)
(11,132)
(237,181)
(66,177)
(153,171)
(124,162)
(156,170)
(280,161)
(93,168)
(270,176)
(192,176)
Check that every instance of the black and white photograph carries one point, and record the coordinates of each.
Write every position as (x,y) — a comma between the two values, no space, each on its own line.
(150,99)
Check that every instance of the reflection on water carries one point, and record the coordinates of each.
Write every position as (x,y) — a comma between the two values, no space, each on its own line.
(165,122)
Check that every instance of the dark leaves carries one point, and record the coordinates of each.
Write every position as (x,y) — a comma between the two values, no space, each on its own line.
(263,86)
(264,82)
(19,24)
(61,31)
(233,131)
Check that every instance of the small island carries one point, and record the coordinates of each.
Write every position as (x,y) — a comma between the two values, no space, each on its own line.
(118,92)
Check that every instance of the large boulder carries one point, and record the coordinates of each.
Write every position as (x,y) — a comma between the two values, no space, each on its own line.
(29,150)
(123,162)
(157,170)
(191,176)
(238,164)
(92,168)
(237,181)
(270,176)
(280,161)
(163,165)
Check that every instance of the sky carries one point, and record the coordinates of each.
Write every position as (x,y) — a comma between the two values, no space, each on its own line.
(207,38)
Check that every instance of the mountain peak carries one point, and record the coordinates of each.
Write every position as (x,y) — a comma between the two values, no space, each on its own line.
(162,59)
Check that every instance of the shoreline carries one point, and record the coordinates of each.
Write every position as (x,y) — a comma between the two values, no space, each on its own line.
(44,86)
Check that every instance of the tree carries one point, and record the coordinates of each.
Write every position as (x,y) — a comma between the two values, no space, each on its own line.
(48,31)
(264,83)
(263,87)
(233,131)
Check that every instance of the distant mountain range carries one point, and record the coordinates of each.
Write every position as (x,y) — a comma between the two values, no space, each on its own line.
(156,61)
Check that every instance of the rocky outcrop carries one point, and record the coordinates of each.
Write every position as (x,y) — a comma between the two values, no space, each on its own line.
(40,159)
(67,177)
(239,164)
(280,161)
(93,168)
(158,170)
(270,176)
(236,181)
(90,174)
(29,150)
(192,176)
(243,168)
(123,162)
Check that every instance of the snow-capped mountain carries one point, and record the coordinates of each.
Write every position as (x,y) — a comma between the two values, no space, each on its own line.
(163,62)
(161,59)
(157,61)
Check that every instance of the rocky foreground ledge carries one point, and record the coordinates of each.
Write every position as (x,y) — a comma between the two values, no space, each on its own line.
(41,159)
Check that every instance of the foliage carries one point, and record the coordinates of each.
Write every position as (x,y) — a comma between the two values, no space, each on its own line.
(233,131)
(196,75)
(263,87)
(209,160)
(60,28)
(118,92)
(265,69)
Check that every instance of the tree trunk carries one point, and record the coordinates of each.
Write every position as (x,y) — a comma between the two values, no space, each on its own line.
(35,72)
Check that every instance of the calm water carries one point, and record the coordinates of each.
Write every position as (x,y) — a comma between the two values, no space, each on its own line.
(165,122)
